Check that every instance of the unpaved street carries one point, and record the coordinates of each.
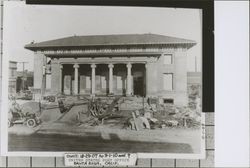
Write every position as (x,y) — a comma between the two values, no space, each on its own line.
(72,138)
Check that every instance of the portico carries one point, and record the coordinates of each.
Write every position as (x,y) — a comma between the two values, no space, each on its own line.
(101,79)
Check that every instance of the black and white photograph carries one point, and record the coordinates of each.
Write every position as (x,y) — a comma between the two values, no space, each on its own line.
(102,79)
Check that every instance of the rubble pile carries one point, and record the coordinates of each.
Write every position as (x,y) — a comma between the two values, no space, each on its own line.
(187,116)
(193,94)
(159,115)
(174,116)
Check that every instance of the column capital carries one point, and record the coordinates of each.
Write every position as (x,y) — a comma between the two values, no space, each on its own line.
(111,65)
(61,66)
(76,66)
(146,65)
(93,65)
(129,65)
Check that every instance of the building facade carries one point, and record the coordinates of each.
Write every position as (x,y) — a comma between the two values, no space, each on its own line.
(147,65)
(12,77)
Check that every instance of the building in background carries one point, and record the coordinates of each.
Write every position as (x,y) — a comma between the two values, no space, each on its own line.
(24,80)
(12,77)
(147,65)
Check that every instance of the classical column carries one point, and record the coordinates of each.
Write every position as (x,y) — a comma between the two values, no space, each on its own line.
(129,66)
(61,78)
(111,66)
(76,66)
(93,66)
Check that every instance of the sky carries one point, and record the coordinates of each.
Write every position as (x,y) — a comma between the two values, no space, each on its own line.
(26,23)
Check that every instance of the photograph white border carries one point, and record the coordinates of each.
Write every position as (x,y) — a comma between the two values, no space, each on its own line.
(4,128)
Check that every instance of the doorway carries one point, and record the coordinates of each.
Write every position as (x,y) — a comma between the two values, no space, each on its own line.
(139,79)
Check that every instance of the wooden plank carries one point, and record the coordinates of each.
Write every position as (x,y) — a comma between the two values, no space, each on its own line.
(135,120)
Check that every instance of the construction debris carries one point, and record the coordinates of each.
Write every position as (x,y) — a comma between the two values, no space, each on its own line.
(137,113)
(63,108)
(102,110)
(139,122)
(172,123)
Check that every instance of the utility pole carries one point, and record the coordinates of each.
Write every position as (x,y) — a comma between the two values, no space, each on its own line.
(23,73)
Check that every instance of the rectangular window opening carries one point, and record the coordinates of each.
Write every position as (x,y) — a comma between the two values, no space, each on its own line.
(168,81)
(168,101)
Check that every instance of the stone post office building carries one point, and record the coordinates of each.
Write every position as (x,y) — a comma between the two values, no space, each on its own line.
(148,65)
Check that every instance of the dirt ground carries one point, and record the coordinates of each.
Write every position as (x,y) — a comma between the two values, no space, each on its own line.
(79,134)
(167,135)
(183,138)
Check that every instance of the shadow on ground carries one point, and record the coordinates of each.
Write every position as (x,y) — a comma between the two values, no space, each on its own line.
(93,142)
